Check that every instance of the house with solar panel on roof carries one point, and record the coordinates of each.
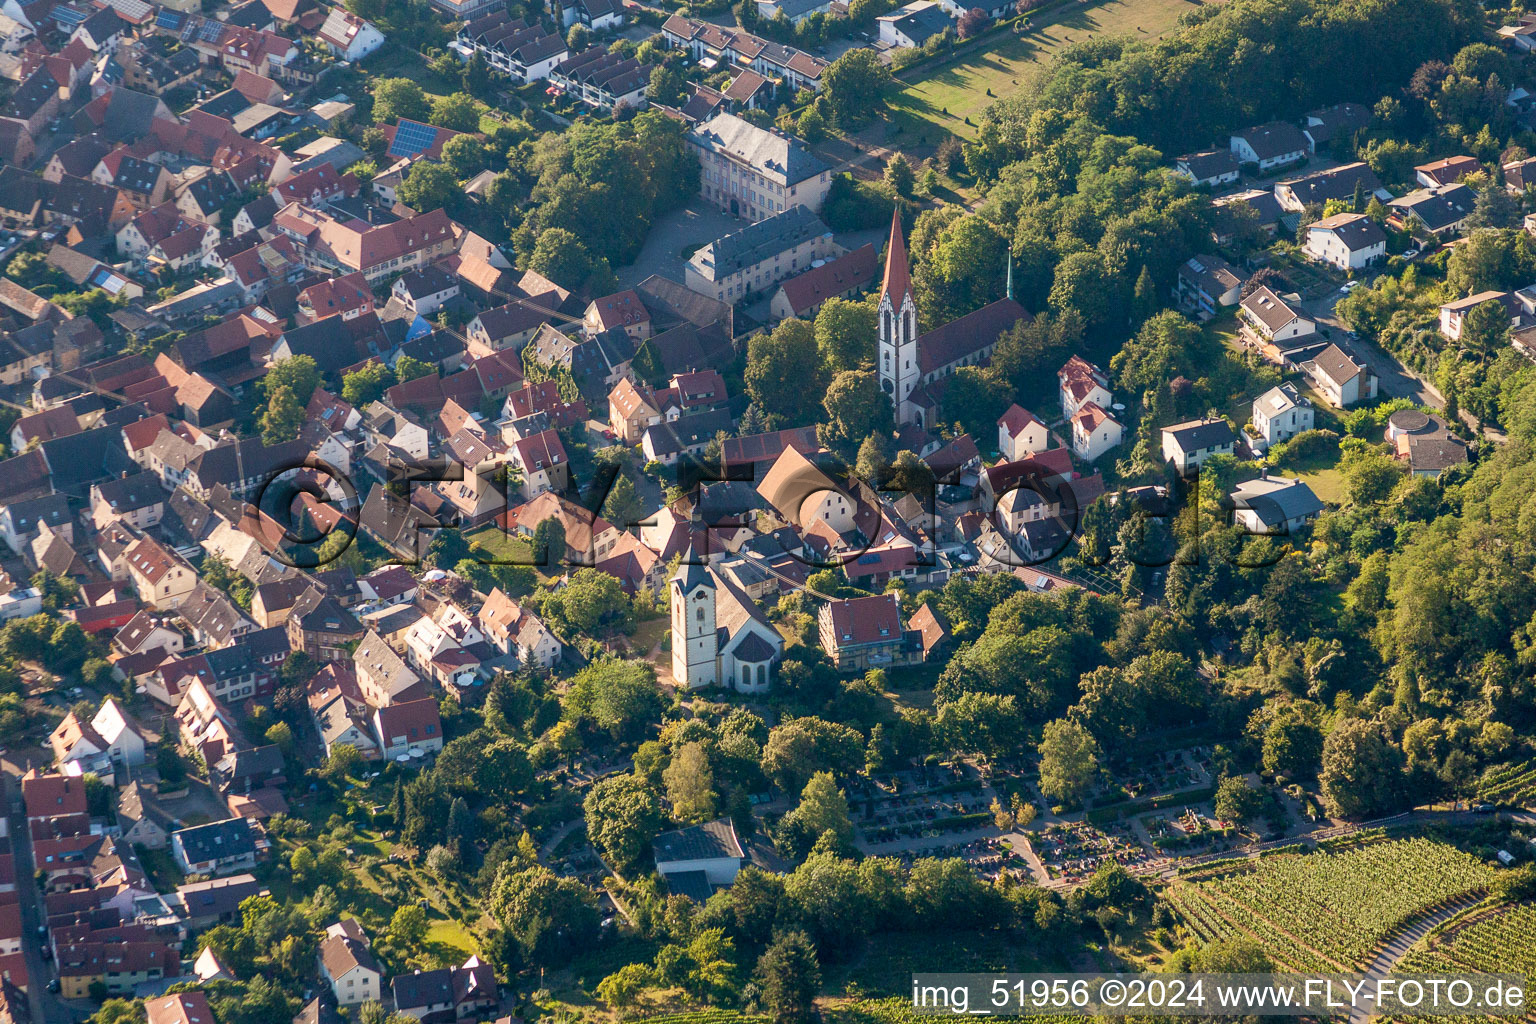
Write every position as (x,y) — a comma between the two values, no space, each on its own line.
(700,858)
(349,37)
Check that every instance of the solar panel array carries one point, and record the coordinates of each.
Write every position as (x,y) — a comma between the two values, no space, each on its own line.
(210,31)
(412,137)
(133,10)
(168,19)
(68,15)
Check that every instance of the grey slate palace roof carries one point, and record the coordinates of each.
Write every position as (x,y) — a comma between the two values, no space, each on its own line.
(760,147)
(757,242)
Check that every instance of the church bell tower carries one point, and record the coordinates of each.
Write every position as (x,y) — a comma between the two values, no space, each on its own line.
(896,358)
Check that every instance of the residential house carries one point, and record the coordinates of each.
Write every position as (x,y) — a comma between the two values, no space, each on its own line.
(1094,432)
(408,726)
(136,826)
(1081,382)
(542,461)
(1441,211)
(1271,145)
(602,80)
(620,311)
(425,291)
(348,296)
(1189,444)
(137,500)
(21,521)
(1335,126)
(1272,505)
(1208,169)
(1446,172)
(182,1008)
(1020,433)
(1453,314)
(321,627)
(1208,284)
(349,967)
(161,578)
(1281,413)
(347,36)
(1272,319)
(383,677)
(1349,241)
(339,247)
(218,848)
(913,24)
(705,41)
(862,633)
(1342,381)
(517,631)
(447,994)
(1344,182)
(523,51)
(510,326)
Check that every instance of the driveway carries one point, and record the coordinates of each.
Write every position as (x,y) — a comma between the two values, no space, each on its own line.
(697,223)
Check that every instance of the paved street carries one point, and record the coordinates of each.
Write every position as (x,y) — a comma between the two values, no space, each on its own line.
(45,1008)
(1397,380)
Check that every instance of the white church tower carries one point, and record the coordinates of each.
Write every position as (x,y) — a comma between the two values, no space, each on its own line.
(897,363)
(695,643)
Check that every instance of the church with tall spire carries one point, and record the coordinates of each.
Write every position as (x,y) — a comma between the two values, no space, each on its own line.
(912,366)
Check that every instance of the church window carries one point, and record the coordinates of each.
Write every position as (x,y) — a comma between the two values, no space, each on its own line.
(701,613)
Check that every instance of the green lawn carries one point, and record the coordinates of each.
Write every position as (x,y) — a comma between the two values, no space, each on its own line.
(649,633)
(1327,484)
(498,543)
(946,93)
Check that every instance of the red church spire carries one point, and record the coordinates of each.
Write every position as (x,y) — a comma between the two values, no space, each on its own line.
(898,272)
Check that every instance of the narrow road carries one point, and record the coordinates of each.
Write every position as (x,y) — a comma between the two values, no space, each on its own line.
(1399,946)
(38,974)
(547,851)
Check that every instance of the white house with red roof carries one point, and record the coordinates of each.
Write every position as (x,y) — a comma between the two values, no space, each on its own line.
(622,310)
(409,726)
(1094,431)
(517,631)
(160,577)
(542,461)
(1020,433)
(1082,382)
(867,632)
(349,37)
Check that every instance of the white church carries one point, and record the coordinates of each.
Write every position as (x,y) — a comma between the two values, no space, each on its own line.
(720,637)
(912,366)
